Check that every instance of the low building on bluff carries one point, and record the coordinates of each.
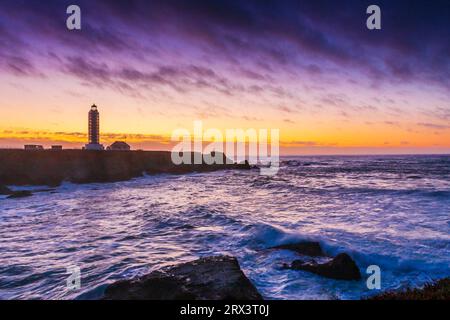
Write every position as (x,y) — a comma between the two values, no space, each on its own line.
(119,146)
(33,147)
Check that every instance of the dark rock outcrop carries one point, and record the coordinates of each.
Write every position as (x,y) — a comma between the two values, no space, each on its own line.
(307,248)
(211,278)
(20,194)
(4,190)
(342,267)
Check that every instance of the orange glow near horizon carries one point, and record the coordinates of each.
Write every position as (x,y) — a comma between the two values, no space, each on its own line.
(146,127)
(318,105)
(46,112)
(376,139)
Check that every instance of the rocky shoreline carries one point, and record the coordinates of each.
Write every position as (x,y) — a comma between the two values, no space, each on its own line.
(52,167)
(221,278)
(210,278)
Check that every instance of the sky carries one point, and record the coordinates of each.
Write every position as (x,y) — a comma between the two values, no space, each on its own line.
(311,69)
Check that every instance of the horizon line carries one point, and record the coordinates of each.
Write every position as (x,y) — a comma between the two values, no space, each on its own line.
(281,155)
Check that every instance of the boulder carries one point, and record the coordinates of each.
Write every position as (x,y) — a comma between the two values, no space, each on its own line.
(20,194)
(307,248)
(342,267)
(210,278)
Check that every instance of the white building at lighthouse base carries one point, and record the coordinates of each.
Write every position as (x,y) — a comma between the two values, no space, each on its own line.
(94,146)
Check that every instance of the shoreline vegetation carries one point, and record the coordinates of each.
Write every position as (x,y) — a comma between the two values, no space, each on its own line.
(52,167)
(435,290)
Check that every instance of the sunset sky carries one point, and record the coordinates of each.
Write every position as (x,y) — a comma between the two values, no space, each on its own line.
(309,68)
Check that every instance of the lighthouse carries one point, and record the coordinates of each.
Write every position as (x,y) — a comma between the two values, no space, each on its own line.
(94,130)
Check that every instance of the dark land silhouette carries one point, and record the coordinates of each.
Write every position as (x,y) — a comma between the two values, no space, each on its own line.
(52,167)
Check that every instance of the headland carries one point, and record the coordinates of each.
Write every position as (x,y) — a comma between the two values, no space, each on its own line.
(52,167)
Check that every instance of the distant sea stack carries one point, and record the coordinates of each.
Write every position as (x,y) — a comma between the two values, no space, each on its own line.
(51,167)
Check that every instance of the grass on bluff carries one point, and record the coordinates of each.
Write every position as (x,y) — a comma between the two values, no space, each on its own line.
(439,290)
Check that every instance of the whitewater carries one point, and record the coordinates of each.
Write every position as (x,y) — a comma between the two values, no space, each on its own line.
(390,211)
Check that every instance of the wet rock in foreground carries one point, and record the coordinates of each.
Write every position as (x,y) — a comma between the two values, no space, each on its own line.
(211,278)
(342,267)
(307,248)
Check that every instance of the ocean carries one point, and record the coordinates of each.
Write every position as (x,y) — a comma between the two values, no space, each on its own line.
(390,211)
